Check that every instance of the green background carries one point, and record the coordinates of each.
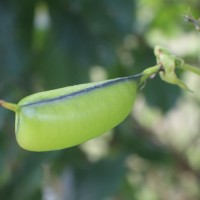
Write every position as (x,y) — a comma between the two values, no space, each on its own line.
(154,153)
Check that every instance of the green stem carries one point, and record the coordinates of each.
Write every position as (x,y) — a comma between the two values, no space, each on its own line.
(10,106)
(190,68)
(147,73)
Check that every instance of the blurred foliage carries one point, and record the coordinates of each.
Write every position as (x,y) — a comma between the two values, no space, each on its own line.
(154,153)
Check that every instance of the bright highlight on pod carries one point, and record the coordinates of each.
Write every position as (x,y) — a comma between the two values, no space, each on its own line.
(69,116)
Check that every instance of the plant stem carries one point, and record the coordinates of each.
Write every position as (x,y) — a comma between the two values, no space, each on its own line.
(190,68)
(147,73)
(191,19)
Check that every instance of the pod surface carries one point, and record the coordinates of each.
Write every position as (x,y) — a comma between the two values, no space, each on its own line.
(68,116)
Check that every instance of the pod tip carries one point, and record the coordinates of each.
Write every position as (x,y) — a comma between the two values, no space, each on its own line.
(10,106)
(1,102)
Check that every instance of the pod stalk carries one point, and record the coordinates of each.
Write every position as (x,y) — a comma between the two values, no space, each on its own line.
(150,72)
(10,106)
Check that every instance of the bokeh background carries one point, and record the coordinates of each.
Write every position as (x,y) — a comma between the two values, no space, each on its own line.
(155,153)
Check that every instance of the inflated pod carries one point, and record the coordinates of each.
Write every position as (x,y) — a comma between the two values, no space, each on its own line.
(68,116)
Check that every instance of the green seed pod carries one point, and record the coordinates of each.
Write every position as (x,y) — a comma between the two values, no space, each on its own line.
(65,117)
(68,116)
